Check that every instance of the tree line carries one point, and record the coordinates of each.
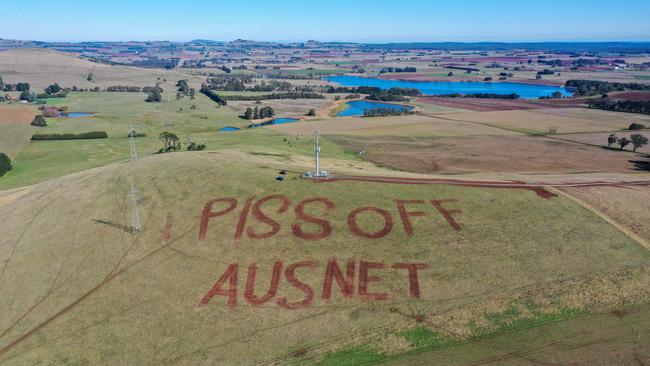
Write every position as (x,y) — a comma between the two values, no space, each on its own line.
(596,87)
(630,106)
(259,113)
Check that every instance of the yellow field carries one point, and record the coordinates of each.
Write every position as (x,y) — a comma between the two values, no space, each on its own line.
(40,68)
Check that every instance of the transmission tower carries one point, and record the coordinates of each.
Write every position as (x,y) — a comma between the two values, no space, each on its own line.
(134,152)
(135,215)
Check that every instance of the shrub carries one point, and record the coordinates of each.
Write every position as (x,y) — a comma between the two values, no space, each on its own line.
(71,136)
(5,164)
(636,126)
(39,121)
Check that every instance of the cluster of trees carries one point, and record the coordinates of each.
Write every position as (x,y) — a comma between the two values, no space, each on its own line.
(236,82)
(184,90)
(259,113)
(172,143)
(155,95)
(595,87)
(71,136)
(124,89)
(630,106)
(21,87)
(637,140)
(552,63)
(156,63)
(287,95)
(382,112)
(481,96)
(398,69)
(53,91)
(5,164)
(273,85)
(28,97)
(393,94)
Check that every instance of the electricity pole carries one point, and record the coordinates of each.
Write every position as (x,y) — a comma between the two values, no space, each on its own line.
(135,215)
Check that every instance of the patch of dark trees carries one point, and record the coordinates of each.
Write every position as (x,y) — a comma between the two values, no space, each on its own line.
(398,69)
(630,106)
(213,96)
(384,112)
(70,136)
(288,95)
(258,113)
(595,87)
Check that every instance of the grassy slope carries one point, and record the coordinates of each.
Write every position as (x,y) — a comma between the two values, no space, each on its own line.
(517,257)
(116,113)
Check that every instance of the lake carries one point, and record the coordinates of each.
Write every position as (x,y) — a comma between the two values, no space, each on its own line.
(358,107)
(528,91)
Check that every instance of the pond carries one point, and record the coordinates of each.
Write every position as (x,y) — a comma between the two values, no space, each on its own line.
(76,115)
(358,107)
(528,91)
(277,121)
(229,129)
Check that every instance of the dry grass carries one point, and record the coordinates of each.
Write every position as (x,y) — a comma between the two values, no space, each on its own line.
(628,207)
(413,125)
(567,120)
(523,154)
(42,67)
(82,290)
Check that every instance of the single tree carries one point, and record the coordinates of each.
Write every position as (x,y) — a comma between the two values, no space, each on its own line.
(170,142)
(256,113)
(39,121)
(22,87)
(623,141)
(5,164)
(192,93)
(249,113)
(154,96)
(311,113)
(27,96)
(611,140)
(90,77)
(638,140)
(53,89)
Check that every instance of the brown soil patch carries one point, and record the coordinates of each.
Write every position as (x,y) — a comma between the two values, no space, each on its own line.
(522,154)
(640,96)
(488,105)
(17,113)
(626,206)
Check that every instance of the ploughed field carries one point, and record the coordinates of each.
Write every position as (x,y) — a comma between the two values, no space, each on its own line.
(306,272)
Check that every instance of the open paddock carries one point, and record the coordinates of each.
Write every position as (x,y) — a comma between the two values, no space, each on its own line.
(566,120)
(506,154)
(412,125)
(488,105)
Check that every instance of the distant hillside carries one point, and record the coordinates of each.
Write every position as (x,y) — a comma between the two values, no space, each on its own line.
(628,47)
(42,67)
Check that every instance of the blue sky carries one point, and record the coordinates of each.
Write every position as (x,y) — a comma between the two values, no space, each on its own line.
(335,20)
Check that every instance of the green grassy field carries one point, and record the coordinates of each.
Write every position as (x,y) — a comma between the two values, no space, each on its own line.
(116,112)
(518,261)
